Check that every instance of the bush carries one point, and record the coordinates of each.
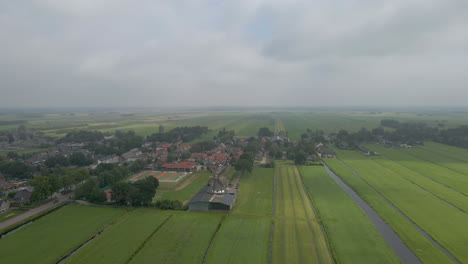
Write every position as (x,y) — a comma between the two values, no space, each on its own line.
(169,205)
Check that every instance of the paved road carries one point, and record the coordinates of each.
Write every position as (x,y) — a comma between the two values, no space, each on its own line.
(34,211)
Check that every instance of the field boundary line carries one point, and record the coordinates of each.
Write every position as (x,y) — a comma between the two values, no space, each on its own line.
(148,238)
(429,237)
(424,189)
(274,194)
(390,236)
(205,258)
(73,252)
(270,249)
(319,219)
(417,172)
(435,163)
(16,226)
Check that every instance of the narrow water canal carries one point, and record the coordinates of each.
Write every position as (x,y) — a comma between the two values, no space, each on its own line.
(393,240)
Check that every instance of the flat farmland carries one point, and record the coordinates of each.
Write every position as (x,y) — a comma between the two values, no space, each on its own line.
(454,164)
(54,236)
(449,195)
(186,190)
(121,240)
(450,151)
(297,236)
(184,238)
(256,193)
(420,245)
(440,174)
(243,240)
(353,237)
(439,219)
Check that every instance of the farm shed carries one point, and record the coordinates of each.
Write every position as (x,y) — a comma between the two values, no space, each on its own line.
(206,201)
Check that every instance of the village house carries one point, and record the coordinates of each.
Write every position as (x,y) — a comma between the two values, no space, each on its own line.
(325,152)
(109,159)
(23,197)
(4,205)
(131,155)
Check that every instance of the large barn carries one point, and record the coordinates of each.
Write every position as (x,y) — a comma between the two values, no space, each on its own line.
(215,197)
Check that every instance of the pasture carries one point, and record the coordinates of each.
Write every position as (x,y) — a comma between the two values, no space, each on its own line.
(439,219)
(241,239)
(353,237)
(297,237)
(121,240)
(256,193)
(184,238)
(420,245)
(54,236)
(440,174)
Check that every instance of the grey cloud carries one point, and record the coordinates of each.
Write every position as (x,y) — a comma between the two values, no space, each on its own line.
(198,53)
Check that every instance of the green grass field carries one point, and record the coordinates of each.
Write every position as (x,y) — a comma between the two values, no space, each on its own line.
(256,193)
(121,240)
(436,172)
(243,240)
(446,150)
(353,237)
(440,220)
(297,236)
(54,236)
(451,196)
(183,239)
(423,248)
(194,184)
(444,160)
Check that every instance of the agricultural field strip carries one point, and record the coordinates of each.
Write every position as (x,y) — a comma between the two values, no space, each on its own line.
(420,245)
(427,235)
(207,251)
(457,166)
(338,212)
(304,223)
(64,230)
(451,179)
(453,152)
(452,198)
(182,239)
(137,227)
(241,239)
(442,153)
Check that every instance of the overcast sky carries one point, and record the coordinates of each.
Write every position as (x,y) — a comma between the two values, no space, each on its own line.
(233,53)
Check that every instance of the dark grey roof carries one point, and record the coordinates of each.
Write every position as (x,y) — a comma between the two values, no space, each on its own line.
(203,196)
(23,195)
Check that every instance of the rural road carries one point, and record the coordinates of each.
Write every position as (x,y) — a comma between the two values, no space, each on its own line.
(34,211)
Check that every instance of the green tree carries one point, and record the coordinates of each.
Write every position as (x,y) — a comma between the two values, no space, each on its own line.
(300,158)
(265,132)
(42,187)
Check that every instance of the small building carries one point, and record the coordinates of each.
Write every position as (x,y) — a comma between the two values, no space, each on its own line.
(131,155)
(216,196)
(325,152)
(109,159)
(23,197)
(4,205)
